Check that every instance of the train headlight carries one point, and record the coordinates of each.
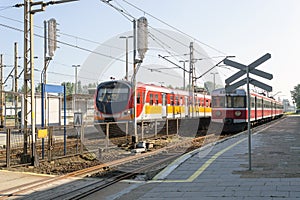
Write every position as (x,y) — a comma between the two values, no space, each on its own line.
(218,113)
(238,113)
(127,112)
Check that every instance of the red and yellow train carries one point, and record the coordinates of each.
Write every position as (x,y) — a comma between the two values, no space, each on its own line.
(230,109)
(114,102)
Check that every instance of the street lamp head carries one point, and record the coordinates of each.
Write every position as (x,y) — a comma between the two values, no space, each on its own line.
(230,56)
(184,61)
(126,37)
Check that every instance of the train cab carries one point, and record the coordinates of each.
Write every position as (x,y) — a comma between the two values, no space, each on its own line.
(112,100)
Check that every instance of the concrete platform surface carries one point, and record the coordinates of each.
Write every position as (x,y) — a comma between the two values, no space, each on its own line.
(222,171)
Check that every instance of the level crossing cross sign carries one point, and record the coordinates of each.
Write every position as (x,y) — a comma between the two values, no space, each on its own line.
(246,70)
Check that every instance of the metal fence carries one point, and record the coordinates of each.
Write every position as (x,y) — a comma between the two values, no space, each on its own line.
(96,139)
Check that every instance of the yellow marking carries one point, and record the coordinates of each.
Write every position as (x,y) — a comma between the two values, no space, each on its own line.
(153,109)
(203,167)
(42,133)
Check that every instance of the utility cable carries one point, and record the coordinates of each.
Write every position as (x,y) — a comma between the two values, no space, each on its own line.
(173,27)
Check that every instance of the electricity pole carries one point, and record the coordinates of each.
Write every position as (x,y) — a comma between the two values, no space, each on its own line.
(1,91)
(191,77)
(29,69)
(16,85)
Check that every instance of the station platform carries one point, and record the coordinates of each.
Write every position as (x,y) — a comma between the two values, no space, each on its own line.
(219,171)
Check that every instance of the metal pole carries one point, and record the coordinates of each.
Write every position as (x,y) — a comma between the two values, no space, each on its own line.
(76,80)
(8,147)
(65,121)
(26,55)
(192,75)
(1,91)
(43,82)
(184,75)
(16,85)
(32,87)
(75,87)
(134,81)
(126,77)
(249,115)
(214,74)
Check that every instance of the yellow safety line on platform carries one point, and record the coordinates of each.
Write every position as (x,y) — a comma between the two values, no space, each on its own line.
(203,167)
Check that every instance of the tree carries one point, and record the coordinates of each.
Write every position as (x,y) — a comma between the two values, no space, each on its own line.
(296,95)
(88,89)
(209,86)
(38,88)
(69,87)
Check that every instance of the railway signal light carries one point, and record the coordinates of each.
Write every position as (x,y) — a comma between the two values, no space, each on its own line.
(52,30)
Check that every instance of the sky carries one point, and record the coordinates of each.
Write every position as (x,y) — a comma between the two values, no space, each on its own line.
(244,29)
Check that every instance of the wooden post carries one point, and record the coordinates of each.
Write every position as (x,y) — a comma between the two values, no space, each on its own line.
(8,133)
(50,143)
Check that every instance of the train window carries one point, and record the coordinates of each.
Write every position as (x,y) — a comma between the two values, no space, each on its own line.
(229,101)
(259,103)
(239,102)
(207,103)
(156,99)
(218,101)
(176,100)
(172,100)
(113,94)
(138,98)
(252,102)
(151,99)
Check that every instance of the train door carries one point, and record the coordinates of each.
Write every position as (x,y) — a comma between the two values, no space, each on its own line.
(255,105)
(164,105)
(262,108)
(172,97)
(139,105)
(271,107)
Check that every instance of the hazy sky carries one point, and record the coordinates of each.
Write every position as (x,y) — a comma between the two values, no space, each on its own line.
(245,29)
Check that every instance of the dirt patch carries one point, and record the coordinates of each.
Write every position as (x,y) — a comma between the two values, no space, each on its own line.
(60,166)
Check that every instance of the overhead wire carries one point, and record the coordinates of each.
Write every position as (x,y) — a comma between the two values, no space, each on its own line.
(122,12)
(173,27)
(67,44)
(5,7)
(65,34)
(127,15)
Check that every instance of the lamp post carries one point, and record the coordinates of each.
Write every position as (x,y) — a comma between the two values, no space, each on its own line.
(75,85)
(126,38)
(214,74)
(184,61)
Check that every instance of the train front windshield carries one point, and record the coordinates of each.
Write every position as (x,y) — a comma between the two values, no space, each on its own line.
(228,102)
(218,101)
(112,97)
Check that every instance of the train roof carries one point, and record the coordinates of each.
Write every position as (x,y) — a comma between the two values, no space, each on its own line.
(154,87)
(163,89)
(241,92)
(221,92)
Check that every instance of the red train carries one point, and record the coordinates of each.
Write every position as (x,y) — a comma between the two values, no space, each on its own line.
(230,109)
(114,102)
